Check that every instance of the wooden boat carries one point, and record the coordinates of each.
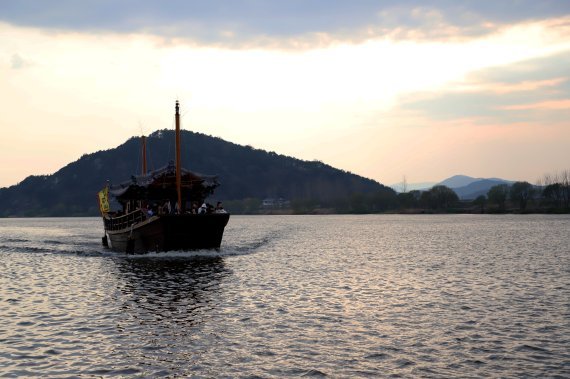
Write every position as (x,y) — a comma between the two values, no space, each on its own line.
(160,209)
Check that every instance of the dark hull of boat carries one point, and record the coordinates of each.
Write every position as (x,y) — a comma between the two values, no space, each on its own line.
(170,232)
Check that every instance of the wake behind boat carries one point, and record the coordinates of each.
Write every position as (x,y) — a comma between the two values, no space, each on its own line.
(163,210)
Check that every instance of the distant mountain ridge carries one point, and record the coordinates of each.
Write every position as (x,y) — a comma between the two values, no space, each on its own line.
(466,187)
(457,181)
(469,188)
(244,172)
(478,188)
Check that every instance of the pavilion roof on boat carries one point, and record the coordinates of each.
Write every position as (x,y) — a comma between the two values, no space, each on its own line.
(161,184)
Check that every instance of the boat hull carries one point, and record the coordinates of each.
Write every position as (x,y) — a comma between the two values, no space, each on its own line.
(170,232)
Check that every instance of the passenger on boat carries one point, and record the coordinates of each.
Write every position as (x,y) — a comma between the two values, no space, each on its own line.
(202,209)
(220,208)
(167,208)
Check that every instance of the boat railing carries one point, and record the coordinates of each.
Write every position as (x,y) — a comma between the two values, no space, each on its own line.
(124,221)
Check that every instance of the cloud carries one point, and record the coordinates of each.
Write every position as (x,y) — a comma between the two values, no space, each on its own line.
(526,85)
(247,22)
(563,104)
(535,90)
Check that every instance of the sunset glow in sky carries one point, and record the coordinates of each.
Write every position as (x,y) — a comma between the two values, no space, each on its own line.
(425,89)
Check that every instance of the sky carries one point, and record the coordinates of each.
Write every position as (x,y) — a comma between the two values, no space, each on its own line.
(412,89)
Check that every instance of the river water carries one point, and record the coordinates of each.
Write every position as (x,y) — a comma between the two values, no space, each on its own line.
(286,296)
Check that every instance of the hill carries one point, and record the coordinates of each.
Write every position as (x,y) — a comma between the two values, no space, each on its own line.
(478,188)
(457,181)
(244,173)
(469,188)
(466,187)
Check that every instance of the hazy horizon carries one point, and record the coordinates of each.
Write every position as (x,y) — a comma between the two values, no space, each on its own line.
(425,90)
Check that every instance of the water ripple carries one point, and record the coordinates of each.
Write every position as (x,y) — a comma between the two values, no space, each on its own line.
(333,296)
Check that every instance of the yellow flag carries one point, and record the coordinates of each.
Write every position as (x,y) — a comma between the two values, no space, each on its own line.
(104,200)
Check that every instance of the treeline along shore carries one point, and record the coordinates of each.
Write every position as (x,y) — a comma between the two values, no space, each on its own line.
(551,195)
(519,197)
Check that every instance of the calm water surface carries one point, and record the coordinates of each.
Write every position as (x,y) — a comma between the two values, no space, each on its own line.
(315,296)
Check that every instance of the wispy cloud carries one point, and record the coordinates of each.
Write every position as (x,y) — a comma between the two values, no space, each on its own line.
(504,88)
(493,94)
(291,23)
(563,104)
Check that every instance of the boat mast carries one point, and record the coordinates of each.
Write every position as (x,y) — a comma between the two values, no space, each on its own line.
(143,141)
(178,166)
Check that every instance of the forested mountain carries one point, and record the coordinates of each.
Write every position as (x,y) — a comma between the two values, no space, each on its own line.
(244,173)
